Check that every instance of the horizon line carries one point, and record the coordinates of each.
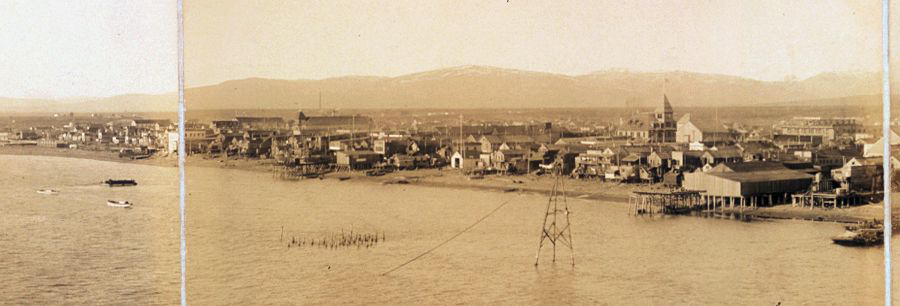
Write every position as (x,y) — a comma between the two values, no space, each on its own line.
(607,70)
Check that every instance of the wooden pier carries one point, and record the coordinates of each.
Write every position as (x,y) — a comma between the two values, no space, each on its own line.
(300,170)
(665,202)
(831,200)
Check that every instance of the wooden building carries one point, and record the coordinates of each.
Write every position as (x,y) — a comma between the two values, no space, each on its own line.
(703,131)
(860,174)
(466,161)
(663,127)
(261,123)
(357,160)
(687,160)
(390,146)
(748,188)
(715,157)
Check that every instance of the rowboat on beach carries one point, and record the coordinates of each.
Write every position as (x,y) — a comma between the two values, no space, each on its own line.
(48,191)
(118,203)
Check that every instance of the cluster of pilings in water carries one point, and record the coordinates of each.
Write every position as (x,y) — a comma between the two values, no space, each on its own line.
(339,240)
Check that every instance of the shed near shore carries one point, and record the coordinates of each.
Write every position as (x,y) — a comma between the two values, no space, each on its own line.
(749,188)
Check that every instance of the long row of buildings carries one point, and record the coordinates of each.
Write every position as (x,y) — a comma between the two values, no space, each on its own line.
(144,136)
(803,154)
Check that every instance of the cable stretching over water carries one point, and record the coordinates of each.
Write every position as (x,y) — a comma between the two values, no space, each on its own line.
(449,239)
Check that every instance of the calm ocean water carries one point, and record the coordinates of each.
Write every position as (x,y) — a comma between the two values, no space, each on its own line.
(71,248)
(236,255)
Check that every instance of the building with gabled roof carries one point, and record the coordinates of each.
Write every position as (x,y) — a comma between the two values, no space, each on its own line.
(758,150)
(876,148)
(728,155)
(860,174)
(490,143)
(637,127)
(700,130)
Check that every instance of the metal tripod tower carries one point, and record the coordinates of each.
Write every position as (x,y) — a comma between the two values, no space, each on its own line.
(556,228)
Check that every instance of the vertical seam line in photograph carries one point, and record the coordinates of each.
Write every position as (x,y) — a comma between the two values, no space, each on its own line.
(886,133)
(181,155)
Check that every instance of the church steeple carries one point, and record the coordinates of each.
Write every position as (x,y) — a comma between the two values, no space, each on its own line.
(666,105)
(664,112)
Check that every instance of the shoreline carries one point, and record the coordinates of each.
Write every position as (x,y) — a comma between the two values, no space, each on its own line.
(453,179)
(107,156)
(576,189)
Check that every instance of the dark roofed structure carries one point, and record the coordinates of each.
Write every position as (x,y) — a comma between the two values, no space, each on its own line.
(492,139)
(261,122)
(337,121)
(161,122)
(754,147)
(752,187)
(747,167)
(258,119)
(517,139)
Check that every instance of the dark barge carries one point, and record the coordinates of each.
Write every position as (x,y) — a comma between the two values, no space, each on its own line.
(120,183)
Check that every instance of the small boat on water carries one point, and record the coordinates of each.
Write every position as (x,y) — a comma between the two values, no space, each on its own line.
(118,203)
(120,183)
(344,178)
(864,234)
(48,191)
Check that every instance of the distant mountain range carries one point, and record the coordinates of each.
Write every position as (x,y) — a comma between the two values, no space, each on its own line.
(138,103)
(481,86)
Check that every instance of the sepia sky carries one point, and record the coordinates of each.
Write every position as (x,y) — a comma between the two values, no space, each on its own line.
(768,40)
(63,49)
(90,48)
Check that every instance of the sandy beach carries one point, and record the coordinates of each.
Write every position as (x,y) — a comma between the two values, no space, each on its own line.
(582,189)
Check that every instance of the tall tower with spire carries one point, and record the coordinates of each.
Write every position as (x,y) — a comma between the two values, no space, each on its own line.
(663,128)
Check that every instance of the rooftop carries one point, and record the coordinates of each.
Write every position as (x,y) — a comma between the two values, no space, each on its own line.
(762,176)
